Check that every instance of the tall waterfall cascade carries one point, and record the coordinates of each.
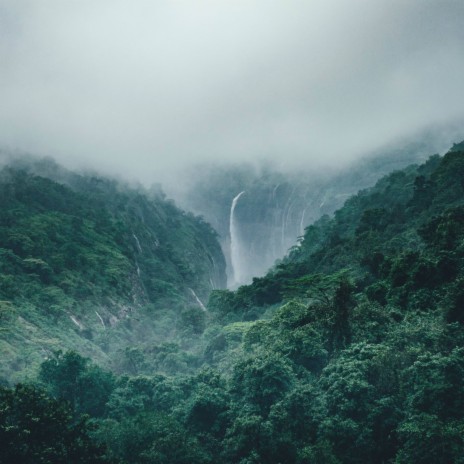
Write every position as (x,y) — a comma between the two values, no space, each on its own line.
(235,252)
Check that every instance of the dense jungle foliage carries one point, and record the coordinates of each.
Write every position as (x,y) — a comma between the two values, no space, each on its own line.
(351,350)
(89,264)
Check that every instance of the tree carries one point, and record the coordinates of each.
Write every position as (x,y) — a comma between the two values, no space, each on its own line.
(433,428)
(262,379)
(35,428)
(151,438)
(72,378)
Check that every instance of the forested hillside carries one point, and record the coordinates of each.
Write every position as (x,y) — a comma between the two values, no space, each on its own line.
(349,351)
(90,264)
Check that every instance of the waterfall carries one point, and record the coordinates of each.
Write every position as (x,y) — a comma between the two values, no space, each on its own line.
(74,319)
(234,243)
(138,243)
(212,276)
(285,217)
(274,191)
(101,319)
(200,303)
(302,228)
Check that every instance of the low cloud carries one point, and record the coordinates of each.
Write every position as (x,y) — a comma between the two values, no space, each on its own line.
(142,88)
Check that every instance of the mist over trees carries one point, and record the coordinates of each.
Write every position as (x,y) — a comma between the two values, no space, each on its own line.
(349,350)
(232,232)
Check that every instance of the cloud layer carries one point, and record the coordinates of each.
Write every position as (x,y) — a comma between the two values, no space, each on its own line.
(142,87)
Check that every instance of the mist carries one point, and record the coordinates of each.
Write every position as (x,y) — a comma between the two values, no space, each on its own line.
(141,89)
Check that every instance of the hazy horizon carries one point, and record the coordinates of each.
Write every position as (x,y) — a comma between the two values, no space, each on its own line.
(142,90)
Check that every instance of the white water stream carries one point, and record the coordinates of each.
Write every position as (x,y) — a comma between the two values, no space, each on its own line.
(138,243)
(101,319)
(235,256)
(200,303)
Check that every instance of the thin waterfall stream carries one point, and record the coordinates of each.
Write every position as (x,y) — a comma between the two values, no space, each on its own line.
(235,256)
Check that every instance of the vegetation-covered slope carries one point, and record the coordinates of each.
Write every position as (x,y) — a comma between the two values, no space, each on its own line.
(92,265)
(349,351)
(363,361)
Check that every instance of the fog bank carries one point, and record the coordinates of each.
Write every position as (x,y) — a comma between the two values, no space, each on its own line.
(142,88)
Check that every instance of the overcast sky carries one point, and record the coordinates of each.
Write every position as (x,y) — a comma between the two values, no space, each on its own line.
(135,87)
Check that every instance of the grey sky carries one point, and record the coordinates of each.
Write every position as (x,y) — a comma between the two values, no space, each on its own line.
(136,87)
